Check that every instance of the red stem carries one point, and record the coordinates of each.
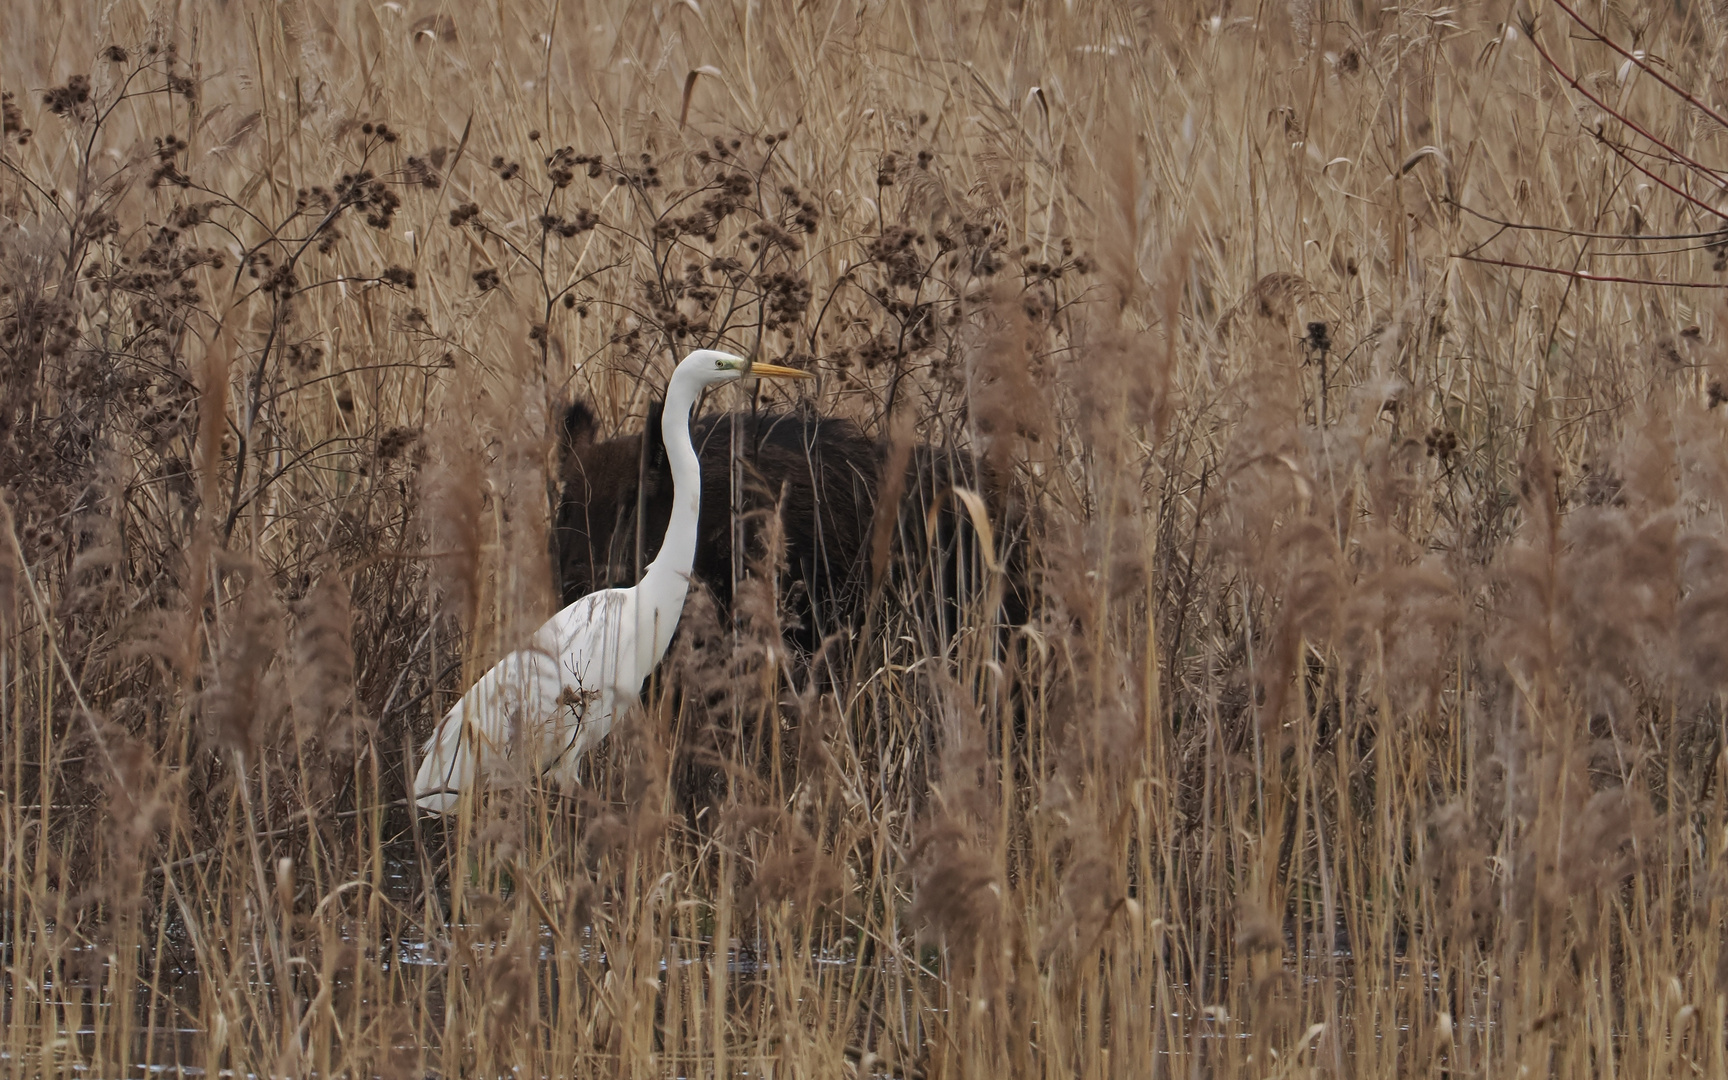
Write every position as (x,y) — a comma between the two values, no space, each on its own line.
(1582,275)
(1694,200)
(1642,66)
(1628,121)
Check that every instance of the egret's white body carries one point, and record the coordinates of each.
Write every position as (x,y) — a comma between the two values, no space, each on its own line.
(559,697)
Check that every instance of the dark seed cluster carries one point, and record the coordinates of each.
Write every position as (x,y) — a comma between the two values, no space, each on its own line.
(71,100)
(580,221)
(304,357)
(370,195)
(167,149)
(423,171)
(1319,337)
(1441,443)
(395,441)
(12,120)
(1717,245)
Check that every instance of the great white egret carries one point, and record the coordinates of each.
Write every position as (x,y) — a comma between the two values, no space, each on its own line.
(559,696)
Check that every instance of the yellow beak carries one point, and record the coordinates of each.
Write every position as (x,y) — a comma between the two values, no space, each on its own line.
(774,371)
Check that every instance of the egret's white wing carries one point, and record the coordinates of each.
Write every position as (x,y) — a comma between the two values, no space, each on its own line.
(555,699)
(599,673)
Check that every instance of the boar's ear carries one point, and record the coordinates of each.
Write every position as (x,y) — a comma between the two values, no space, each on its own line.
(654,441)
(578,431)
(580,425)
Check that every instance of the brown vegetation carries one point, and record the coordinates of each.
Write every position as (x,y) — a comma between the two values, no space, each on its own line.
(1351,372)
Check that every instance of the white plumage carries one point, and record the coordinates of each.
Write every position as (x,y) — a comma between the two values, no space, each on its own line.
(554,700)
(558,697)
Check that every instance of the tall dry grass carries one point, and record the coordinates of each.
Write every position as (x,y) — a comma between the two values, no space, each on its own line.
(1368,716)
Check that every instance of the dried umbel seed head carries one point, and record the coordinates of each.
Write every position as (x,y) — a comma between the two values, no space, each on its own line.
(12,120)
(315,197)
(421,172)
(366,192)
(897,250)
(395,441)
(785,296)
(167,150)
(557,225)
(71,100)
(304,357)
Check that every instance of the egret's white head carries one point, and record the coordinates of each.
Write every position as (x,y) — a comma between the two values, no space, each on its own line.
(710,366)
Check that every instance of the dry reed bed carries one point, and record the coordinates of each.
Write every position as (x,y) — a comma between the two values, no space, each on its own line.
(1368,718)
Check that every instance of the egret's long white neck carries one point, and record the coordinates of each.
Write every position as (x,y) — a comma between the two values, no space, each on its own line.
(667,579)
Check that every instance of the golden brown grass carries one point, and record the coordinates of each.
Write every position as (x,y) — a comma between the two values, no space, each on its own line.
(1368,720)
